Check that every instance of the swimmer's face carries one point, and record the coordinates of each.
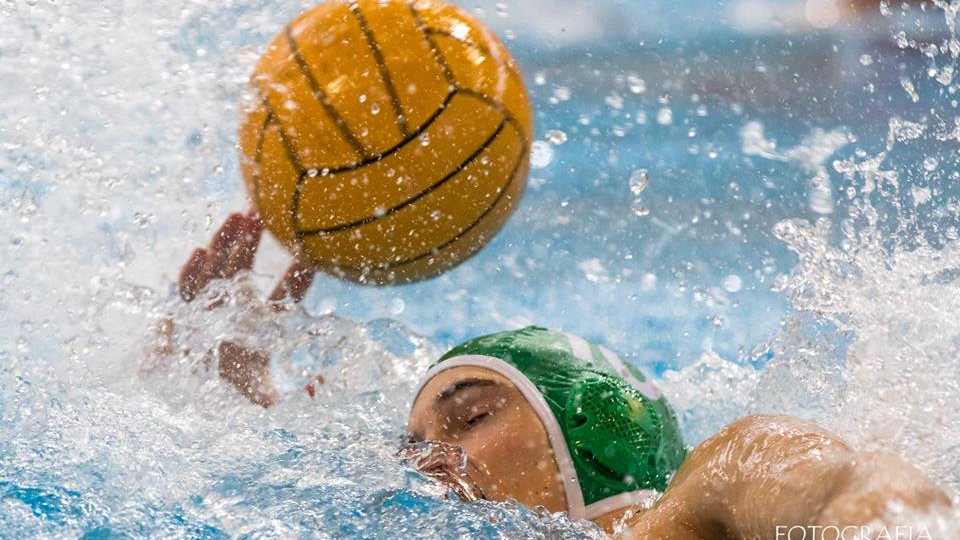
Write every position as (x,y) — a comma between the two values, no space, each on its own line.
(508,452)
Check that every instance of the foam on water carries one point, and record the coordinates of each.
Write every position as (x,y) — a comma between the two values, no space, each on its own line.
(174,451)
(115,150)
(870,349)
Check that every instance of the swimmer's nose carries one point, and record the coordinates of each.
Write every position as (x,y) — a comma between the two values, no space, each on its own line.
(444,462)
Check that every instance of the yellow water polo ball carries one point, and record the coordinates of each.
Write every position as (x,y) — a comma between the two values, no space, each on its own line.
(388,140)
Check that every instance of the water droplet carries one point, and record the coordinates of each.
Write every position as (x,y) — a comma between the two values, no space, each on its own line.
(425,139)
(143,220)
(921,195)
(639,181)
(732,283)
(641,211)
(930,164)
(556,137)
(665,117)
(540,78)
(945,75)
(648,282)
(822,13)
(363,98)
(911,90)
(614,101)
(901,39)
(397,306)
(866,59)
(562,93)
(541,155)
(374,109)
(594,271)
(636,84)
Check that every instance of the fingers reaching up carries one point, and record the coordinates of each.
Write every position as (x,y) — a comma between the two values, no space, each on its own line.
(194,276)
(233,248)
(294,285)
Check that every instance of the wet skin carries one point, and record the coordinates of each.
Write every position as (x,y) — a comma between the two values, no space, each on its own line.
(508,451)
(755,475)
(759,473)
(232,250)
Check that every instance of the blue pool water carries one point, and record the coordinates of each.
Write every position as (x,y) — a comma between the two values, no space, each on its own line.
(117,156)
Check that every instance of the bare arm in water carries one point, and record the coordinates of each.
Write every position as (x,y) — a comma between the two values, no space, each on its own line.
(765,474)
(233,249)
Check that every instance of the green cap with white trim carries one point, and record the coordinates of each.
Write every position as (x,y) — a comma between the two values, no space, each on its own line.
(614,436)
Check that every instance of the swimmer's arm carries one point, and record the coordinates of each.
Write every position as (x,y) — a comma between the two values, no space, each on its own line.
(233,249)
(765,472)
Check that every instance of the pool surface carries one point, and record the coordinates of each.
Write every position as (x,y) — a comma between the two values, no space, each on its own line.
(795,251)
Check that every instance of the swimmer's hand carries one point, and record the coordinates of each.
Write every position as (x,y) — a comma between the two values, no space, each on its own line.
(232,250)
(764,474)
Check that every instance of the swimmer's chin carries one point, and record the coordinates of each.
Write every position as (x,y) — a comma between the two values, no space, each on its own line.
(467,492)
(459,482)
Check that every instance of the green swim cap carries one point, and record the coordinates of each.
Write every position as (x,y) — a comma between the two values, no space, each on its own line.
(615,438)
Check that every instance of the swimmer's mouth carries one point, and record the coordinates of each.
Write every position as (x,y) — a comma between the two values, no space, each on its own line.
(444,463)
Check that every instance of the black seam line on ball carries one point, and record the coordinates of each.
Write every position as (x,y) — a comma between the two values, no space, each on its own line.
(476,45)
(322,97)
(483,216)
(387,153)
(360,164)
(392,210)
(382,66)
(436,250)
(304,172)
(501,108)
(496,105)
(257,156)
(294,160)
(284,141)
(437,54)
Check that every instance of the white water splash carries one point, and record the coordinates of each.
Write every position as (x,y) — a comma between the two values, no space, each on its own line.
(811,155)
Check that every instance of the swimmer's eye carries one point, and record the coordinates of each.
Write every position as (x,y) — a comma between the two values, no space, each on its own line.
(478,418)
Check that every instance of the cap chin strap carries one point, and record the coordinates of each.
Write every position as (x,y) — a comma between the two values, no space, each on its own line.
(568,473)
